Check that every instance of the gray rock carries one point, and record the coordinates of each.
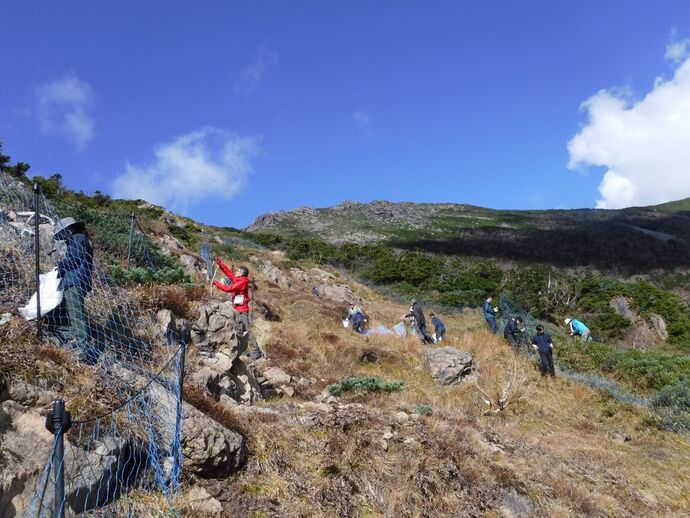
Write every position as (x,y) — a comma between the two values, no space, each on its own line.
(210,449)
(198,502)
(174,329)
(276,377)
(449,366)
(299,275)
(659,325)
(274,274)
(621,306)
(340,293)
(515,505)
(5,318)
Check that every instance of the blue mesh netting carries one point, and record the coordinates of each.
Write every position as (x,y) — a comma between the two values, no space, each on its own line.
(132,442)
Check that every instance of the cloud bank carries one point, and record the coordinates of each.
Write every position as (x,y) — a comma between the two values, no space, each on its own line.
(644,144)
(208,164)
(65,108)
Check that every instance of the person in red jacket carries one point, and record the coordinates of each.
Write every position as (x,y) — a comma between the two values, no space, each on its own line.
(239,293)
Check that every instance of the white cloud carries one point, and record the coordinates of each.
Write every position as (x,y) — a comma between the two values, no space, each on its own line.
(206,164)
(65,107)
(253,74)
(644,144)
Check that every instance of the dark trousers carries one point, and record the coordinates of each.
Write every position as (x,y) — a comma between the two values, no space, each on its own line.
(67,323)
(547,363)
(425,337)
(493,327)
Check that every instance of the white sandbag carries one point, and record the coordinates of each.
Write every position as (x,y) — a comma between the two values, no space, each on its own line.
(51,296)
(399,329)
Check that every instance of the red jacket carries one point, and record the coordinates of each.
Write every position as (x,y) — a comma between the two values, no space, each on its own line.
(238,288)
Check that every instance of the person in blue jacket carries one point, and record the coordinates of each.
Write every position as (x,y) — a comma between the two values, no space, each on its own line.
(67,322)
(544,346)
(490,314)
(577,328)
(439,328)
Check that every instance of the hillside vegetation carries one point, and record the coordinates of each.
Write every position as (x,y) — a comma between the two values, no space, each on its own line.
(359,427)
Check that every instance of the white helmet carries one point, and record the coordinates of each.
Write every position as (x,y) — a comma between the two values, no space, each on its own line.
(567,321)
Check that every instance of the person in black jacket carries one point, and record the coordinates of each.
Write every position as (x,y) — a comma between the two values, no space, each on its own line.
(67,322)
(543,344)
(513,331)
(419,322)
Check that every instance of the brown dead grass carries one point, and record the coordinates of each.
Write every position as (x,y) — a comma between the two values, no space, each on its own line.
(559,446)
(200,399)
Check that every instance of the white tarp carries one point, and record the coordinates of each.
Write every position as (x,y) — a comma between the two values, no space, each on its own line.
(51,296)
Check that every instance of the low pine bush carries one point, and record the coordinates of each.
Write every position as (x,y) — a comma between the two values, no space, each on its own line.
(370,384)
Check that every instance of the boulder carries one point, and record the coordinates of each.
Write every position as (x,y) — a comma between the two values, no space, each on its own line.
(299,275)
(339,293)
(449,366)
(621,306)
(25,447)
(274,274)
(174,329)
(659,325)
(321,275)
(210,449)
(168,245)
(198,502)
(276,377)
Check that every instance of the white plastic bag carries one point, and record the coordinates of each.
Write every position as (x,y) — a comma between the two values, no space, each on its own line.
(346,322)
(399,329)
(51,296)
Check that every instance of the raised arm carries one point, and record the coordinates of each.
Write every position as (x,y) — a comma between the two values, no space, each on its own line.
(227,271)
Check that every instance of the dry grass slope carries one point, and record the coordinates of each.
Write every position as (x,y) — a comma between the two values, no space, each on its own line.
(563,449)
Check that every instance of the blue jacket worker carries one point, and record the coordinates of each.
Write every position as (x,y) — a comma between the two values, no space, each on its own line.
(67,322)
(439,328)
(490,315)
(356,316)
(577,328)
(543,344)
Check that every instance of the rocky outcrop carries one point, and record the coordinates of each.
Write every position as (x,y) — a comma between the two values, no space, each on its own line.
(299,275)
(621,305)
(174,329)
(274,274)
(449,366)
(659,325)
(210,449)
(338,293)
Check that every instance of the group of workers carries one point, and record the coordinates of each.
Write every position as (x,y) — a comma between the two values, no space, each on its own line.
(541,342)
(68,323)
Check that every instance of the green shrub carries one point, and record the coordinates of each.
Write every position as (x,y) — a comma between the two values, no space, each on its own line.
(423,409)
(640,370)
(672,407)
(371,384)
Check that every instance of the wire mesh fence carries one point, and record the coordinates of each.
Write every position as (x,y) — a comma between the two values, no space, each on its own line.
(135,443)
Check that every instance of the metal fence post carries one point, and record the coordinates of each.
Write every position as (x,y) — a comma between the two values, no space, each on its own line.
(58,422)
(37,247)
(129,245)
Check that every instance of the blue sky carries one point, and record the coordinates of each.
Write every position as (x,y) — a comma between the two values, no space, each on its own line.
(226,110)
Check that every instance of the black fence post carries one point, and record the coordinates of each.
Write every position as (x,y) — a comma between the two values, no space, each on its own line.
(37,247)
(180,409)
(58,422)
(129,245)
